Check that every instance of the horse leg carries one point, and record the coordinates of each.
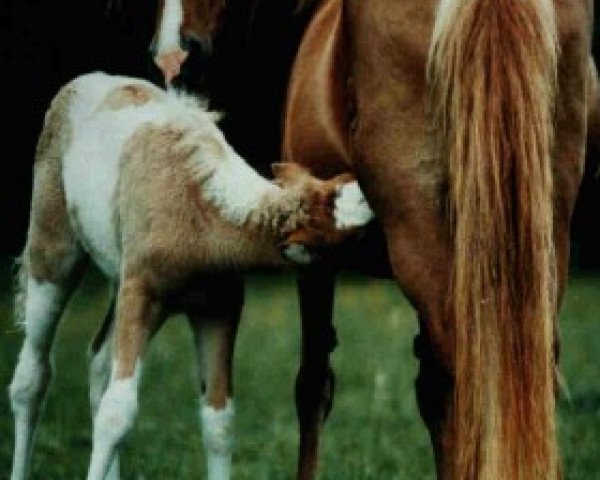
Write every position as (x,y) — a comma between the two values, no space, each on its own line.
(215,330)
(99,374)
(48,273)
(44,305)
(138,316)
(315,380)
(434,394)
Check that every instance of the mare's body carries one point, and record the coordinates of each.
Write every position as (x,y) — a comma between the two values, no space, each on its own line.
(435,174)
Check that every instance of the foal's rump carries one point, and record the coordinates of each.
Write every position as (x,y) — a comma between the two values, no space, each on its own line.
(104,115)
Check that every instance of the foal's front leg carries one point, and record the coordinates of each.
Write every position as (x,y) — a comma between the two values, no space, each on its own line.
(214,335)
(138,315)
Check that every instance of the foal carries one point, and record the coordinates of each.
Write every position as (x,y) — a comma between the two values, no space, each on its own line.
(145,185)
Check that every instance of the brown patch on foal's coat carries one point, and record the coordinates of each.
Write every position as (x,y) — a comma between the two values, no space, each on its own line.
(167,231)
(133,95)
(51,244)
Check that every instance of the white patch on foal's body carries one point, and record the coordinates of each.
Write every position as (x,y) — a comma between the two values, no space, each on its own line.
(170,25)
(91,166)
(351,208)
(90,173)
(217,432)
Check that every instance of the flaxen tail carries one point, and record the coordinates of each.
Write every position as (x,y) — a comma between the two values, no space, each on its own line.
(493,67)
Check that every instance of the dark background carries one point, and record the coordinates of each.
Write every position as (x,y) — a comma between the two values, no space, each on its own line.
(44,44)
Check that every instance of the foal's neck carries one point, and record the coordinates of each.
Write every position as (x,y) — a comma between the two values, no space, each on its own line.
(249,201)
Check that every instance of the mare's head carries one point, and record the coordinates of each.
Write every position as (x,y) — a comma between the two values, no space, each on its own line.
(201,19)
(332,209)
(190,20)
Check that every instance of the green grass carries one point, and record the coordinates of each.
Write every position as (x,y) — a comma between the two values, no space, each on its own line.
(374,431)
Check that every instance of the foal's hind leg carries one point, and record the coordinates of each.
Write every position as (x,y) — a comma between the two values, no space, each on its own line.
(99,375)
(138,316)
(315,381)
(44,304)
(215,331)
(48,273)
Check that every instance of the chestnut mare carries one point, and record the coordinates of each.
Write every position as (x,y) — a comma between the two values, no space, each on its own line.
(465,121)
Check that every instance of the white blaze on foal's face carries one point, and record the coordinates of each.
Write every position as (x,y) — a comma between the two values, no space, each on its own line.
(351,207)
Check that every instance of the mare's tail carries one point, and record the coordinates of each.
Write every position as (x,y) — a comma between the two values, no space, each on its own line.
(492,68)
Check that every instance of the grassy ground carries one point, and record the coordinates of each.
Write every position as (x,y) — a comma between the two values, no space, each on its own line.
(373,433)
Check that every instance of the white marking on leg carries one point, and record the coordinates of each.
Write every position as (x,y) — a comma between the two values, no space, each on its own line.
(42,310)
(351,208)
(298,254)
(170,25)
(26,391)
(217,432)
(99,375)
(100,370)
(43,305)
(114,419)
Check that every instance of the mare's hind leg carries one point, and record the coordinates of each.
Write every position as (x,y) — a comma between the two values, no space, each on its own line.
(99,374)
(48,274)
(315,381)
(215,329)
(138,316)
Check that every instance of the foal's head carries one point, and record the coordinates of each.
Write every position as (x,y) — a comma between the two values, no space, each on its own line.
(332,209)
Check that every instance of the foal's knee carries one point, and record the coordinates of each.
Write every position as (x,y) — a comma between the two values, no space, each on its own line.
(43,302)
(30,379)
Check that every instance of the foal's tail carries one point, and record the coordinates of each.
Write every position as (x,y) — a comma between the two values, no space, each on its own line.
(493,67)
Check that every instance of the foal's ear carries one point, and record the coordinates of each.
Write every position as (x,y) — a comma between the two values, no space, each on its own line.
(288,172)
(341,179)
